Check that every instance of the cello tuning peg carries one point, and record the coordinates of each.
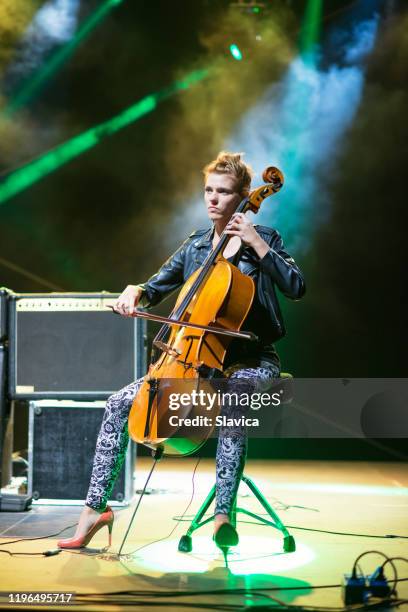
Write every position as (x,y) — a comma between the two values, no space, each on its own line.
(274,176)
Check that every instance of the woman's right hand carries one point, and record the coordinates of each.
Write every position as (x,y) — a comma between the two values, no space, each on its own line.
(128,300)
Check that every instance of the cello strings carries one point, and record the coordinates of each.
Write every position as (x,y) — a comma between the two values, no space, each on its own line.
(211,257)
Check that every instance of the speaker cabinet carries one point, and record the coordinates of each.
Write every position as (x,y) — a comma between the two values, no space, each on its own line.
(61,446)
(6,424)
(3,312)
(71,346)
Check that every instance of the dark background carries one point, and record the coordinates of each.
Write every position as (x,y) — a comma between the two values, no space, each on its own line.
(98,222)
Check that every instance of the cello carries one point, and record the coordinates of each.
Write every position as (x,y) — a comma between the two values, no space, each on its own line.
(189,350)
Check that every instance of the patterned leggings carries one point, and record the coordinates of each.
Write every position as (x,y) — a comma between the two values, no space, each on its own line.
(113,439)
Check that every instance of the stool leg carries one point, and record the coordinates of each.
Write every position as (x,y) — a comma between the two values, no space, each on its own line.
(288,540)
(185,543)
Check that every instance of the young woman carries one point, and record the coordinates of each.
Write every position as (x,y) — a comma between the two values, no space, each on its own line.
(258,252)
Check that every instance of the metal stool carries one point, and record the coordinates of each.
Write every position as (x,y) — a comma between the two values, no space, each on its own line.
(289,545)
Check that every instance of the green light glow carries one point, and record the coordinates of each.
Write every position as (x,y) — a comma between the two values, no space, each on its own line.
(31,87)
(300,94)
(235,52)
(254,555)
(60,155)
(309,34)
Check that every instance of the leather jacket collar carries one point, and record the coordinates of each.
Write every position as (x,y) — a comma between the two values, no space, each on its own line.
(205,240)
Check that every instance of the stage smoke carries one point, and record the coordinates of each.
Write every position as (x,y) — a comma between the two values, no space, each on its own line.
(53,24)
(28,31)
(15,16)
(204,117)
(299,125)
(298,121)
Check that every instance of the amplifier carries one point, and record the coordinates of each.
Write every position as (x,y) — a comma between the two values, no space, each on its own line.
(61,445)
(3,312)
(71,346)
(6,424)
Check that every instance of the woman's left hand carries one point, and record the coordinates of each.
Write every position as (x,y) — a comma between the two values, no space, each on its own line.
(240,225)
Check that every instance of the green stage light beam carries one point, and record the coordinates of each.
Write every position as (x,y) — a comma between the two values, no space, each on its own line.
(32,172)
(32,86)
(310,31)
(300,88)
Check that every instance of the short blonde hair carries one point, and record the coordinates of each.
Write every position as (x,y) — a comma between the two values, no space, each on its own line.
(231,163)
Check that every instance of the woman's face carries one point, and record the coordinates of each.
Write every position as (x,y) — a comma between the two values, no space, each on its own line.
(221,196)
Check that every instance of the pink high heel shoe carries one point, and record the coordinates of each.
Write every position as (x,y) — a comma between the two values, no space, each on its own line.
(106,518)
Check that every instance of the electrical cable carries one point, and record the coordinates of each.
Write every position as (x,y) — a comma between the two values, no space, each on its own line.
(394,559)
(376,552)
(231,591)
(53,535)
(177,524)
(346,533)
(391,561)
(341,533)
(280,505)
(46,537)
(187,518)
(88,598)
(118,598)
(103,598)
(13,554)
(372,605)
(387,560)
(202,606)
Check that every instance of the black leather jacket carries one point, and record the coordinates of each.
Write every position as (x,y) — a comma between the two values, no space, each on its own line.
(276,269)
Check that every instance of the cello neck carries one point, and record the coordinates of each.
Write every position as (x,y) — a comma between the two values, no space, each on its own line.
(224,238)
(207,265)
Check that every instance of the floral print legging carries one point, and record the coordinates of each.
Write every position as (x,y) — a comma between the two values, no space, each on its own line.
(113,439)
